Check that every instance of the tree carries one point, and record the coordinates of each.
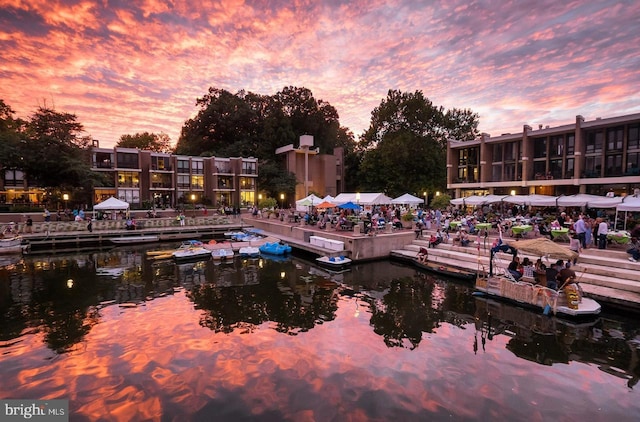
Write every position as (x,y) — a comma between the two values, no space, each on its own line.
(11,130)
(159,142)
(404,148)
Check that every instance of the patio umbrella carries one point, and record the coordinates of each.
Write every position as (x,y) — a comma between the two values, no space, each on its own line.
(543,247)
(326,204)
(349,206)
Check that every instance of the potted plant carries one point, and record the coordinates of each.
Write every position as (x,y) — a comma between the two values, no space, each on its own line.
(407,220)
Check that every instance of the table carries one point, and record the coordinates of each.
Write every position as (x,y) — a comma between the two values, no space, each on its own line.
(521,230)
(455,224)
(621,238)
(483,226)
(560,234)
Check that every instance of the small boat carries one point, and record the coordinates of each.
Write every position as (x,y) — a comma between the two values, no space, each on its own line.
(275,248)
(113,272)
(192,249)
(133,240)
(222,254)
(334,262)
(14,244)
(567,301)
(249,251)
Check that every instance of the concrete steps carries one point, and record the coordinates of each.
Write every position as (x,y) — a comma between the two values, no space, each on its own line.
(606,275)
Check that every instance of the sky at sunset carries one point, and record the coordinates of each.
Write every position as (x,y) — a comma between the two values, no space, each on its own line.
(130,66)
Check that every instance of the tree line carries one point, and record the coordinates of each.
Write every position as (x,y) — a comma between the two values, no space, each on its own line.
(402,150)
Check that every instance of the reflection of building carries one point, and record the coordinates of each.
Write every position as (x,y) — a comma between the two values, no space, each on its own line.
(167,180)
(586,157)
(320,173)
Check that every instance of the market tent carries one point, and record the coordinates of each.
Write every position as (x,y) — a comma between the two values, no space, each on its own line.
(326,204)
(349,206)
(364,199)
(306,202)
(586,200)
(629,203)
(468,200)
(111,204)
(328,198)
(407,199)
(533,200)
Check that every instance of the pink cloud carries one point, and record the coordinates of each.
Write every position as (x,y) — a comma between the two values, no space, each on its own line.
(140,67)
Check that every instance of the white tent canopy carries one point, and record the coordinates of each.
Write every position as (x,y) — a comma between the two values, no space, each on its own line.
(533,200)
(365,199)
(591,201)
(328,198)
(407,199)
(630,203)
(111,204)
(308,201)
(478,200)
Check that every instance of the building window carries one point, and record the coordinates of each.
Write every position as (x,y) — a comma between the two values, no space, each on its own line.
(183,181)
(615,138)
(197,182)
(571,144)
(555,169)
(510,151)
(225,183)
(509,172)
(634,137)
(540,170)
(463,157)
(223,166)
(103,160)
(633,164)
(183,166)
(249,167)
(539,147)
(497,153)
(13,178)
(595,141)
(247,198)
(592,166)
(556,146)
(614,165)
(128,179)
(197,167)
(160,163)
(569,166)
(247,183)
(161,181)
(496,173)
(127,160)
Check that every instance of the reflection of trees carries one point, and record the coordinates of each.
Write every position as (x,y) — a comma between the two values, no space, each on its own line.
(294,306)
(405,312)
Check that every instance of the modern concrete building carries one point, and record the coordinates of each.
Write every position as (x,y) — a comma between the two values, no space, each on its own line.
(315,172)
(594,157)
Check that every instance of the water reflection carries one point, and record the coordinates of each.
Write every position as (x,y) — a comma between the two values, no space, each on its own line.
(388,311)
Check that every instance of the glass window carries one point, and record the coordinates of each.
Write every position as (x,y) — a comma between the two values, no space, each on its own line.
(497,153)
(197,182)
(592,166)
(225,183)
(13,177)
(128,179)
(127,160)
(540,170)
(571,144)
(633,164)
(183,166)
(183,181)
(462,174)
(634,137)
(615,138)
(595,141)
(463,157)
(614,165)
(555,169)
(197,167)
(509,172)
(247,183)
(510,151)
(496,173)
(249,167)
(556,146)
(161,180)
(539,147)
(569,166)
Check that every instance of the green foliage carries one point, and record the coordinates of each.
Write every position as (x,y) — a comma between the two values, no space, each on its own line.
(440,202)
(407,217)
(274,179)
(404,148)
(146,141)
(268,203)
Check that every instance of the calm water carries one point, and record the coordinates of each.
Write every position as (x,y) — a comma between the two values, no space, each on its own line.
(284,340)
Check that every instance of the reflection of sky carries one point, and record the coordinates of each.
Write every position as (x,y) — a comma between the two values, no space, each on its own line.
(140,362)
(127,67)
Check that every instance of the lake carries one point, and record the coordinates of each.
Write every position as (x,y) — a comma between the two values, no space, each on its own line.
(126,338)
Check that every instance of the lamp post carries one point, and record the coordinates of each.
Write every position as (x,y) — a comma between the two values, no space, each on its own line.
(425,199)
(282,201)
(65,197)
(259,199)
(193,202)
(358,204)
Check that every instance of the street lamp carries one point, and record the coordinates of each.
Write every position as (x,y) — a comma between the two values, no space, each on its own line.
(259,199)
(282,201)
(358,204)
(193,202)
(425,199)
(65,197)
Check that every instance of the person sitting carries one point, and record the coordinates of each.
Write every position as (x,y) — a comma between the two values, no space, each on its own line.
(634,250)
(527,268)
(397,224)
(423,255)
(513,268)
(464,239)
(552,275)
(434,241)
(418,229)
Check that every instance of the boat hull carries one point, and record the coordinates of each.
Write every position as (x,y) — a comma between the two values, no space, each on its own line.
(222,254)
(134,240)
(334,263)
(249,251)
(536,297)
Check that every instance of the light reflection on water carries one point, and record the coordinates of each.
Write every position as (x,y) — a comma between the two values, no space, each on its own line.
(284,340)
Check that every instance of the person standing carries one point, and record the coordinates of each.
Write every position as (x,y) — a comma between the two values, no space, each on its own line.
(90,225)
(581,231)
(588,235)
(29,225)
(603,230)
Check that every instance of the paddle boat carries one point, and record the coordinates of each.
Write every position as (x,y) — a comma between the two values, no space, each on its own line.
(249,251)
(567,301)
(336,263)
(275,248)
(222,254)
(13,244)
(134,240)
(191,249)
